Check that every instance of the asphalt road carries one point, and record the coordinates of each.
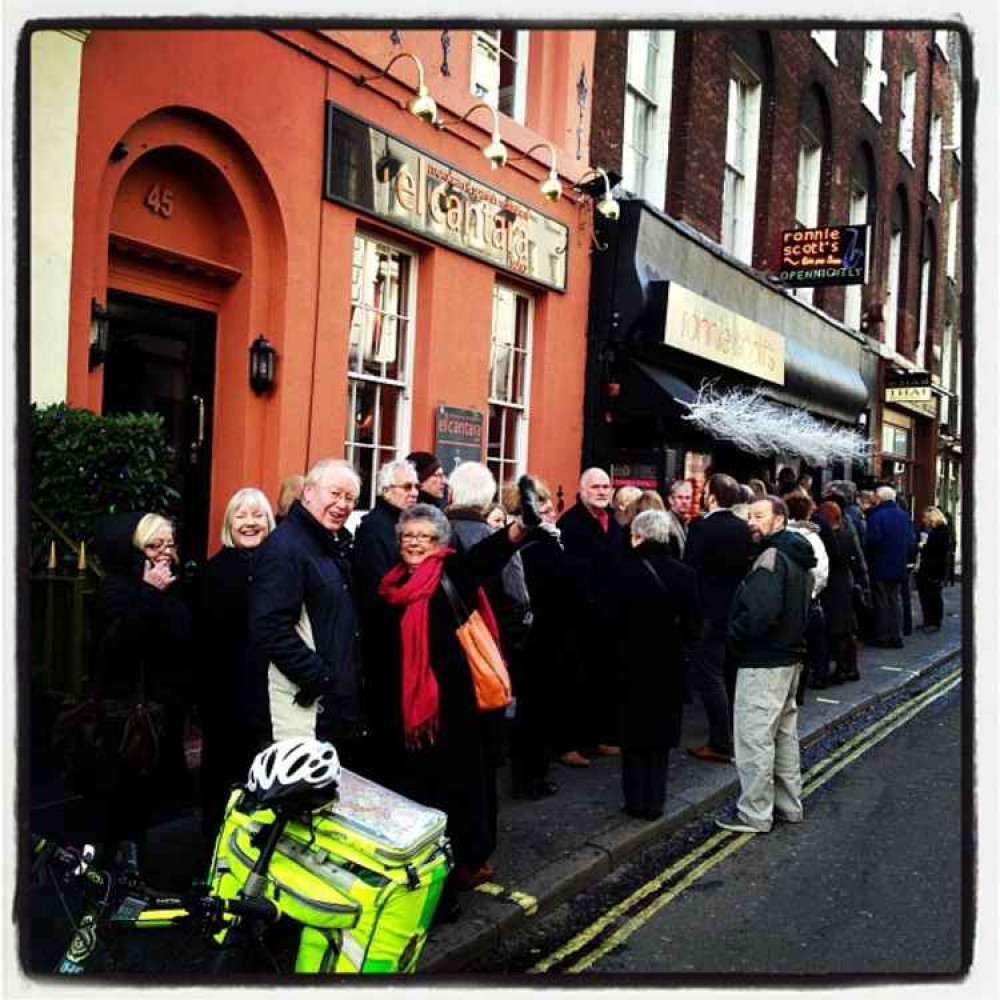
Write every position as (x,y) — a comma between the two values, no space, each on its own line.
(870,885)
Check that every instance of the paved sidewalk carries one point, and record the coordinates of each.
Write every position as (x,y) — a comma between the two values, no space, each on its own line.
(550,850)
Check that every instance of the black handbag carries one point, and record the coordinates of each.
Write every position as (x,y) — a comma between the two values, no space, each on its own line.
(98,739)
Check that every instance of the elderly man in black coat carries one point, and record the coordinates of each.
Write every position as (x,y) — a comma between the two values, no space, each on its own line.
(595,546)
(376,548)
(719,550)
(659,617)
(376,551)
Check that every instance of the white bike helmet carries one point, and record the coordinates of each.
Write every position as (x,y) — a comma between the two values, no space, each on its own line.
(301,771)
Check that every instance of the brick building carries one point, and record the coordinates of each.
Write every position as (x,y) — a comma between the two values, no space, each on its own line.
(725,139)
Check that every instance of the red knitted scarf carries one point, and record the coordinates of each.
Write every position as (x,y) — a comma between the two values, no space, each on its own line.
(413,590)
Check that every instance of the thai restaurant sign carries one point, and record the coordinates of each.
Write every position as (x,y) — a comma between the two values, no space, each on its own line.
(377,173)
(702,327)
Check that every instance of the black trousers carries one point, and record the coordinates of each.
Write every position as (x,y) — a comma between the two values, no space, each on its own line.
(708,671)
(888,596)
(644,781)
(931,601)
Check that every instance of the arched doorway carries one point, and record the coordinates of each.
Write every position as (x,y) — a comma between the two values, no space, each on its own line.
(179,248)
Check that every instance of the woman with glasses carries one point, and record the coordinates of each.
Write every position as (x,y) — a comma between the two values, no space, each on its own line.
(428,701)
(143,647)
(222,618)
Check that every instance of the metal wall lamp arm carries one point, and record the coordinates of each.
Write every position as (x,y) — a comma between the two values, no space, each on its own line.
(423,106)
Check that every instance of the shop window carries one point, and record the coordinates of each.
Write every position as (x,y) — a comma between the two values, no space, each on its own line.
(873,76)
(510,373)
(647,114)
(742,140)
(382,288)
(907,104)
(500,70)
(934,158)
(896,441)
(894,289)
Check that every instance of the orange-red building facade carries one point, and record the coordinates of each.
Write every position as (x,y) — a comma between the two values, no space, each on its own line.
(200,183)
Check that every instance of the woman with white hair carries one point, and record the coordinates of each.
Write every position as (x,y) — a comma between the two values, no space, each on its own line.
(472,491)
(660,614)
(143,643)
(221,615)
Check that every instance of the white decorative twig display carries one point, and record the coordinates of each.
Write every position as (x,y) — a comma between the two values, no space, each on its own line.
(760,427)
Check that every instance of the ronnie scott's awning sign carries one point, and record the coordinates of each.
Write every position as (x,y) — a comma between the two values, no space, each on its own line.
(833,255)
(377,173)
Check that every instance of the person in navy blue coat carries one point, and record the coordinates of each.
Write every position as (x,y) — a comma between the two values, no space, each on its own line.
(890,538)
(304,624)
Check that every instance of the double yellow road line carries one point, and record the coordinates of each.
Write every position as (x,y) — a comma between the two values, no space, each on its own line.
(593,943)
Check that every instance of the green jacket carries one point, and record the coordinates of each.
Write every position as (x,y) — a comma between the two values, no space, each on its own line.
(769,612)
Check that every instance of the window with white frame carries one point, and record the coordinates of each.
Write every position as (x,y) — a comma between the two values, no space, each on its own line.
(934,158)
(951,264)
(647,114)
(873,76)
(907,104)
(827,41)
(807,190)
(923,320)
(947,346)
(500,70)
(510,375)
(378,369)
(956,117)
(941,41)
(894,289)
(858,215)
(742,140)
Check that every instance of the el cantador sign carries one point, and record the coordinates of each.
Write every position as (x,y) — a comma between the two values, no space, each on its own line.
(833,255)
(373,171)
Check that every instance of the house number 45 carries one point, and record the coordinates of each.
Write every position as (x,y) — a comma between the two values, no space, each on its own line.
(160,201)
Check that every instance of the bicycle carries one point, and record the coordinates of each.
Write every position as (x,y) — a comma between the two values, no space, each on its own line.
(288,853)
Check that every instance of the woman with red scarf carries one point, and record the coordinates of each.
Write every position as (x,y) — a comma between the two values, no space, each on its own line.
(424,689)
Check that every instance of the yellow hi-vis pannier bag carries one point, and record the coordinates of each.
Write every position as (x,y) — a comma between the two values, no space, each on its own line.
(363,877)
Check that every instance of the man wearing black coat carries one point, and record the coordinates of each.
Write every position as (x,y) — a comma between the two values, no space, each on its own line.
(594,546)
(376,548)
(304,622)
(719,549)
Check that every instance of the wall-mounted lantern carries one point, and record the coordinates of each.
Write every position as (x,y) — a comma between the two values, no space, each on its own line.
(262,362)
(98,334)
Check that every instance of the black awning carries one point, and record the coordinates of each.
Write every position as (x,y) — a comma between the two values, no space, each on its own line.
(676,389)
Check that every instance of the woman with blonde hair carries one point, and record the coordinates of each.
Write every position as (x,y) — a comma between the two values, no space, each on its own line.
(932,568)
(143,646)
(625,497)
(221,615)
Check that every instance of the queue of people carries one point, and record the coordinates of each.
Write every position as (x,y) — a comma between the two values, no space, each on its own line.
(611,618)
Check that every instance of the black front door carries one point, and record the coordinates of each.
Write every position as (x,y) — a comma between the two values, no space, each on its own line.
(161,359)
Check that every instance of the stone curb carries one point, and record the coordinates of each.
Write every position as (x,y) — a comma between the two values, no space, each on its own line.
(485,921)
